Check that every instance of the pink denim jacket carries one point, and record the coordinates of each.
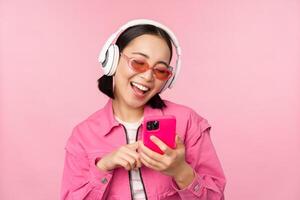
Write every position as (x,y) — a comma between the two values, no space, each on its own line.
(100,134)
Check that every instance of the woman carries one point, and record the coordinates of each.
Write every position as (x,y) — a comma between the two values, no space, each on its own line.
(105,157)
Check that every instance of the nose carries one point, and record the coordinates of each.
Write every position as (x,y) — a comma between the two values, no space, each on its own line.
(147,75)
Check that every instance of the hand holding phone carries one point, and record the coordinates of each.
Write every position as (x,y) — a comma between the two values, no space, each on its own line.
(163,127)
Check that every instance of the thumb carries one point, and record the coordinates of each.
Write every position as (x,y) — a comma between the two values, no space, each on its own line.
(178,140)
(133,146)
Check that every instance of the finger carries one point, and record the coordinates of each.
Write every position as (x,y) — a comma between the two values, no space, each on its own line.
(123,163)
(129,159)
(152,154)
(127,150)
(163,147)
(138,166)
(133,146)
(139,163)
(150,163)
(140,143)
(179,141)
(134,154)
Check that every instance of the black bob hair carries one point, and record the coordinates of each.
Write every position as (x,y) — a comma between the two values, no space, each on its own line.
(105,83)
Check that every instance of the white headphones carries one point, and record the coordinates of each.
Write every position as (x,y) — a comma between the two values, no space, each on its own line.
(109,55)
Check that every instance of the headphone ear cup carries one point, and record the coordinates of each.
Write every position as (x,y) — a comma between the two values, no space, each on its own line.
(116,55)
(111,60)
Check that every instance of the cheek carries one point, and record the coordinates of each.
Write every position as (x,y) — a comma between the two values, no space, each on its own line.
(122,74)
(158,85)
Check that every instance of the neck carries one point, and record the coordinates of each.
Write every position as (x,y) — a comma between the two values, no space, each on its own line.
(125,112)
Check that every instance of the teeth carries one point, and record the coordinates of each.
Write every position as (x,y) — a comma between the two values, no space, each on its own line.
(140,86)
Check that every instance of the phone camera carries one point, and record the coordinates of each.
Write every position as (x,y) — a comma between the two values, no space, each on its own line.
(152,125)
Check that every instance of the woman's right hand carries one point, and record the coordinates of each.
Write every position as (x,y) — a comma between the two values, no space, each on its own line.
(125,156)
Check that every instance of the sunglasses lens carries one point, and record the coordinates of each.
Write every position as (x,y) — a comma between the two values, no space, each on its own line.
(139,65)
(162,72)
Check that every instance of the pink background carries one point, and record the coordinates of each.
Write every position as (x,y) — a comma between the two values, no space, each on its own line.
(240,70)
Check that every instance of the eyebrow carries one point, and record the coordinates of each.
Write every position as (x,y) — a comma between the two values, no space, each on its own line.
(145,55)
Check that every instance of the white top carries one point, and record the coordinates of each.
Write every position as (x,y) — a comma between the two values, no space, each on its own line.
(135,181)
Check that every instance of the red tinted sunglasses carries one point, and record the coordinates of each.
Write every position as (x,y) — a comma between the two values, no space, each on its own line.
(161,71)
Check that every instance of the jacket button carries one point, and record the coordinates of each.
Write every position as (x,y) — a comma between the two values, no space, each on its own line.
(104,180)
(196,188)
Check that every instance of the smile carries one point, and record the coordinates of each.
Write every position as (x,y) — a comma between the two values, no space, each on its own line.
(139,90)
(141,87)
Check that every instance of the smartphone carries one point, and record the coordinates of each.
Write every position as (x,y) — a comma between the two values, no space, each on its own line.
(163,127)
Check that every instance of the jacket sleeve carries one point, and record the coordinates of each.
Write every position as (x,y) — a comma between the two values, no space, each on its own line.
(209,182)
(81,178)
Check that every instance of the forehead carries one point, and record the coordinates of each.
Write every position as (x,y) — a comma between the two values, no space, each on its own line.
(153,46)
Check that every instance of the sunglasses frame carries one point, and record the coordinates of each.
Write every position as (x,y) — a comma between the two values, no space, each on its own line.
(129,59)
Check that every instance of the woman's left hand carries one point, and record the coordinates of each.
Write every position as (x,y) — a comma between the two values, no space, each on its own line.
(171,163)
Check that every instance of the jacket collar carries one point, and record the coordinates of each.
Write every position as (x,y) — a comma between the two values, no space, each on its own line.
(108,120)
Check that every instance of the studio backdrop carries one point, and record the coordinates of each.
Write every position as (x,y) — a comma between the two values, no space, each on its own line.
(240,70)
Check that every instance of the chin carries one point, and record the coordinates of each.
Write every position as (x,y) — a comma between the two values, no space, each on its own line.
(137,103)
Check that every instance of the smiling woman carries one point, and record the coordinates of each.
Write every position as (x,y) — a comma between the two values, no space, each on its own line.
(105,157)
(127,77)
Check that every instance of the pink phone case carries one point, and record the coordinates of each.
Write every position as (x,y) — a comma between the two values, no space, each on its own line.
(166,131)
